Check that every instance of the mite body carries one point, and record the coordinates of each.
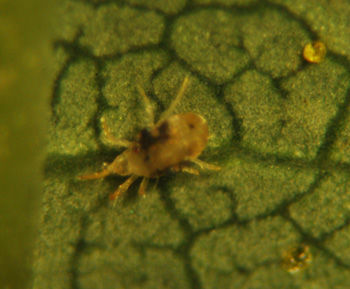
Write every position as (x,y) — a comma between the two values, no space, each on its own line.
(171,144)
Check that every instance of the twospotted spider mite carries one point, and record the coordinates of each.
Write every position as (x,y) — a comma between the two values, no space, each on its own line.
(170,144)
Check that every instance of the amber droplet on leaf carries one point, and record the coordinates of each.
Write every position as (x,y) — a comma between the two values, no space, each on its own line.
(314,52)
(297,259)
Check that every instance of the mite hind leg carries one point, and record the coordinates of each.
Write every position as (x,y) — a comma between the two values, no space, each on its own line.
(111,139)
(148,105)
(176,101)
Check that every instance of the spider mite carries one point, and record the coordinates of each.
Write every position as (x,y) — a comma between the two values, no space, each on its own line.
(172,144)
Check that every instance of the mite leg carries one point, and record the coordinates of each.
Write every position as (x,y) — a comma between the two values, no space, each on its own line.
(176,101)
(185,169)
(155,185)
(111,139)
(123,187)
(190,170)
(96,175)
(205,165)
(108,169)
(143,186)
(148,104)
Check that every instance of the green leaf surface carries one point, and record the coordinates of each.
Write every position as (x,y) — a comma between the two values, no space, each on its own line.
(279,129)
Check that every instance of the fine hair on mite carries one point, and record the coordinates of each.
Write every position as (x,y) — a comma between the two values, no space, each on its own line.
(172,143)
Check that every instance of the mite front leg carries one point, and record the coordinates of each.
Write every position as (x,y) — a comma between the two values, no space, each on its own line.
(123,187)
(94,176)
(184,168)
(205,165)
(98,175)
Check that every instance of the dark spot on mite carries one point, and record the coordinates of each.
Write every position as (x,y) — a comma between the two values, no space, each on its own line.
(163,130)
(147,158)
(147,139)
(189,151)
(191,125)
(136,149)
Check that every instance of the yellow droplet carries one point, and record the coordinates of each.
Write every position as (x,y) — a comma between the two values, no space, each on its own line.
(297,259)
(314,52)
